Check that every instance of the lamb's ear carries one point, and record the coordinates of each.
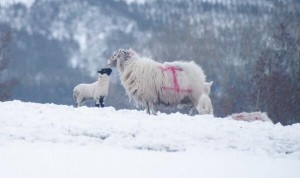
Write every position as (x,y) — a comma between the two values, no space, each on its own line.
(210,83)
(207,86)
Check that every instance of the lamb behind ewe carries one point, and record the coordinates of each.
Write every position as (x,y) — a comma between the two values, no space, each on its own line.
(96,91)
(150,83)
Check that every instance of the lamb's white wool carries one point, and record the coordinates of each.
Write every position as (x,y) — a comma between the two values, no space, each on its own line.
(96,91)
(150,83)
(204,105)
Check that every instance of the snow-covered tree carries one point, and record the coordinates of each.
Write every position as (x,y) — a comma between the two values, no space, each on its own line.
(6,83)
(277,72)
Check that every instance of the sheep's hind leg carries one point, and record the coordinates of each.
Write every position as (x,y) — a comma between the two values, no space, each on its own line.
(148,108)
(191,110)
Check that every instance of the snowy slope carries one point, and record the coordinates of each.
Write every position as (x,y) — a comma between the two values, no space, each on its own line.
(47,140)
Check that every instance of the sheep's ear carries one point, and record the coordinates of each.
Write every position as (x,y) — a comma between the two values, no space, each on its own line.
(120,51)
(131,51)
(127,54)
(210,83)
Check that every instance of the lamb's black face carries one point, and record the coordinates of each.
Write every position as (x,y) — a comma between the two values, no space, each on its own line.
(105,71)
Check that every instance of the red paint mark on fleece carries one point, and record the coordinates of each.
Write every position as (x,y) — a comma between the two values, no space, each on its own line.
(176,87)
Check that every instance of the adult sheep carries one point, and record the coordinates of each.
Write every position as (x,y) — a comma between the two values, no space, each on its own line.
(150,83)
(96,91)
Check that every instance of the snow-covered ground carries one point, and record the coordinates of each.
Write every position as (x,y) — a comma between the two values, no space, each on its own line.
(48,140)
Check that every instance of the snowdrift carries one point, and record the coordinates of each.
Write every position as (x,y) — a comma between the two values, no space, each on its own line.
(140,145)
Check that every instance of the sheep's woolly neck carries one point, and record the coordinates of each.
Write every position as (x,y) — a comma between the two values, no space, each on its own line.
(147,81)
(139,78)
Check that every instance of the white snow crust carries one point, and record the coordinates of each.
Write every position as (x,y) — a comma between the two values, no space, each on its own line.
(48,140)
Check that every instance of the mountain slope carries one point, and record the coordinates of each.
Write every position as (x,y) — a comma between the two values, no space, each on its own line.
(61,141)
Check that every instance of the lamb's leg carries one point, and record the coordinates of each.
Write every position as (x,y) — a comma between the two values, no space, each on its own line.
(101,100)
(76,99)
(78,102)
(97,102)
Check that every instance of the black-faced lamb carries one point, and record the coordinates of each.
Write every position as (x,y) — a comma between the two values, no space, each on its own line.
(96,91)
(150,83)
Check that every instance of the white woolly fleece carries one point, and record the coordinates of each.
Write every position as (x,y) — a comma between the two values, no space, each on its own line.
(147,81)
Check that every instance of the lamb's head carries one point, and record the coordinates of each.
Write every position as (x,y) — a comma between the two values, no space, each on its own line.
(119,57)
(204,105)
(106,71)
(207,86)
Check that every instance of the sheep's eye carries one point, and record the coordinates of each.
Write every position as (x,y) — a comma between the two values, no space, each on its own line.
(118,55)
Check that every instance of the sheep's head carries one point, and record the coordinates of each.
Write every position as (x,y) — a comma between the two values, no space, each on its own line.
(204,105)
(119,57)
(106,71)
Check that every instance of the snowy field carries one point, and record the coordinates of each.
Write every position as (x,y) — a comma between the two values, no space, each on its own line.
(58,141)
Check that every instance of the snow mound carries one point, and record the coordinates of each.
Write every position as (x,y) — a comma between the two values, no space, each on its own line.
(47,140)
(132,129)
(250,117)
(7,3)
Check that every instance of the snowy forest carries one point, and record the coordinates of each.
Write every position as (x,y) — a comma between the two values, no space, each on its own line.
(249,48)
